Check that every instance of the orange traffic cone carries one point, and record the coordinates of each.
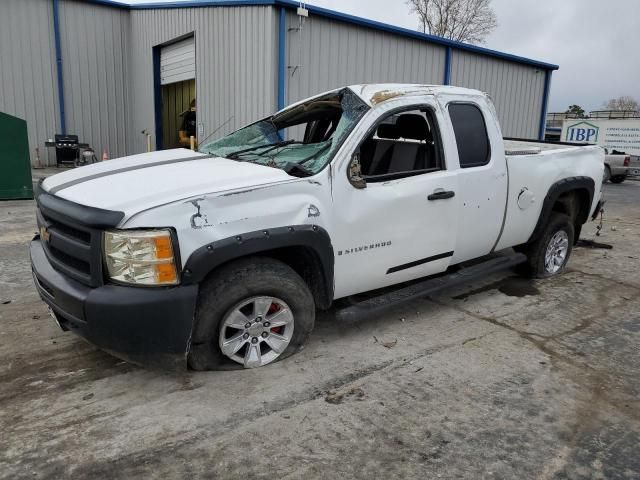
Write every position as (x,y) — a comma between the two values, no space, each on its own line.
(104,155)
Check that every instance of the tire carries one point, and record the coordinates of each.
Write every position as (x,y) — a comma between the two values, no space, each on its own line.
(559,232)
(223,297)
(607,174)
(618,178)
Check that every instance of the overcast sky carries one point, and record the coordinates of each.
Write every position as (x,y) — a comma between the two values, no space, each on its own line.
(595,42)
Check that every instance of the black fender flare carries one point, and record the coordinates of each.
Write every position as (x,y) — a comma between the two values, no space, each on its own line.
(211,256)
(563,186)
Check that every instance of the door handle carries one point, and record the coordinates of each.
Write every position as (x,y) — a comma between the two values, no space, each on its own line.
(441,195)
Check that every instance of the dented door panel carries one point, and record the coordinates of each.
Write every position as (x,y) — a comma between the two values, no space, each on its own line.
(390,232)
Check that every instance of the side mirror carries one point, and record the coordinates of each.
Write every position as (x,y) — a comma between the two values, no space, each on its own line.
(355,172)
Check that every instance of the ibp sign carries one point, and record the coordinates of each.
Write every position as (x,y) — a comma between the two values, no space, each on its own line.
(582,132)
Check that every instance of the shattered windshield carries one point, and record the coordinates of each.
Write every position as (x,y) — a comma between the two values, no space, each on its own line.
(300,140)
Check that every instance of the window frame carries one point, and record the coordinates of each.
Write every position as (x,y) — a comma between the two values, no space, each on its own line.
(430,111)
(486,131)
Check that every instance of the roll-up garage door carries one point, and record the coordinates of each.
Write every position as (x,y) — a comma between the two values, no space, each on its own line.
(178,61)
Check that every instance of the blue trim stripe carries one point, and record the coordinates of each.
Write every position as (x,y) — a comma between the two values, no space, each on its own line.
(111,3)
(184,4)
(331,14)
(282,66)
(157,98)
(545,103)
(58,47)
(447,66)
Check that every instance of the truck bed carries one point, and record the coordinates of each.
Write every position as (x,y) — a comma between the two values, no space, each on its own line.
(533,168)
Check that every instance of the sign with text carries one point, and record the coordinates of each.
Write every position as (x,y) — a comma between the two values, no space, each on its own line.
(620,135)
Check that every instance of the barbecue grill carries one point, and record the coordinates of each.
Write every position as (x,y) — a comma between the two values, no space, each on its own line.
(67,149)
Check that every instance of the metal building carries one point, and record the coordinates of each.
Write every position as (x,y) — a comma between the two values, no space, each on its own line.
(108,71)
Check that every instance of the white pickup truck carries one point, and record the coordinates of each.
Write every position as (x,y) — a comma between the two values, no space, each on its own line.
(221,257)
(616,166)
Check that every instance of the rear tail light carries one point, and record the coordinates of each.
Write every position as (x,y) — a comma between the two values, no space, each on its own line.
(627,160)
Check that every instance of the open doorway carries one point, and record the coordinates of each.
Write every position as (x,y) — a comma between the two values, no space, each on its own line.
(179,112)
(175,93)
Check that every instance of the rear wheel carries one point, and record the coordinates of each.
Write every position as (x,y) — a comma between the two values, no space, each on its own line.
(607,174)
(549,255)
(251,313)
(618,178)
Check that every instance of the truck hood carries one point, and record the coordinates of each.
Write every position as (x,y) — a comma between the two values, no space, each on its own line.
(139,182)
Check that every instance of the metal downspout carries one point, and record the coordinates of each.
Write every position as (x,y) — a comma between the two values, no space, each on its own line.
(282,67)
(58,47)
(447,66)
(545,103)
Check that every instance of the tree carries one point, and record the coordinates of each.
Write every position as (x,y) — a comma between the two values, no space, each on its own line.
(576,110)
(460,20)
(622,104)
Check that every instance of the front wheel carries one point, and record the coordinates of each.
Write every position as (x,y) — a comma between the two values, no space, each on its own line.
(607,174)
(251,313)
(549,255)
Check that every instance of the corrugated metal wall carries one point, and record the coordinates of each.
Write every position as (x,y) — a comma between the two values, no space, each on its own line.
(327,54)
(236,58)
(108,68)
(517,90)
(28,84)
(95,43)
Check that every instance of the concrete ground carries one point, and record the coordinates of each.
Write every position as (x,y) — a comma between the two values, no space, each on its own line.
(505,379)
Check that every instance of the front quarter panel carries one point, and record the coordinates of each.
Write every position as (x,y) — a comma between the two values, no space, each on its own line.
(213,217)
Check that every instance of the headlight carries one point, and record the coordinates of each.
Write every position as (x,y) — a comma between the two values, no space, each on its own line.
(140,257)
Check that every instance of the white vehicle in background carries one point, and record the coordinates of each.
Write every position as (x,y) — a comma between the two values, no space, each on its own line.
(222,257)
(616,166)
(634,166)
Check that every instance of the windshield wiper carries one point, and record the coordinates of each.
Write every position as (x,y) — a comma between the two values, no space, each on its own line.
(268,146)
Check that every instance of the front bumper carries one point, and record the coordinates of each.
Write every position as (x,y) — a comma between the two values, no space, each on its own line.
(146,326)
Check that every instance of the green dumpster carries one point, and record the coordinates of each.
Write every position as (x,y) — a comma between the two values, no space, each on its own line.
(15,165)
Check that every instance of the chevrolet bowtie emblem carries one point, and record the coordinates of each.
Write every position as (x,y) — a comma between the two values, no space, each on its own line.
(44,234)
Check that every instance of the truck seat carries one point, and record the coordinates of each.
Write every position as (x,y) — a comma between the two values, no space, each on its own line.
(389,152)
(378,150)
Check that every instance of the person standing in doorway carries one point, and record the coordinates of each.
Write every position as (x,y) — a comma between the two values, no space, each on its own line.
(188,128)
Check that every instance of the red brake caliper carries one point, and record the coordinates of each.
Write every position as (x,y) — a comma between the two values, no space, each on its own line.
(273,309)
